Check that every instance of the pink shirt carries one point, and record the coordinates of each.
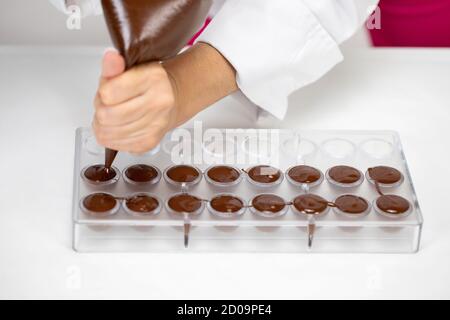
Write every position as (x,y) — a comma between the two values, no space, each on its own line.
(413,23)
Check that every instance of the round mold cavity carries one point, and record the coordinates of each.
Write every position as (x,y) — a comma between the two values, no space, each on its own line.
(338,148)
(259,148)
(143,212)
(268,203)
(377,148)
(354,203)
(389,171)
(224,172)
(186,149)
(227,148)
(100,204)
(101,181)
(298,176)
(194,204)
(187,171)
(299,148)
(345,169)
(264,172)
(392,203)
(233,200)
(140,171)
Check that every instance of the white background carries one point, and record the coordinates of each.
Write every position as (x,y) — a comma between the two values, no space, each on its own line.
(45,93)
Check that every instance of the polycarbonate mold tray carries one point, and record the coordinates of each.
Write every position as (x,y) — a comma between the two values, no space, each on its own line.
(372,233)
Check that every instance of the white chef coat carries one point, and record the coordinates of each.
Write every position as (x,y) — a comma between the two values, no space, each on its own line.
(276,46)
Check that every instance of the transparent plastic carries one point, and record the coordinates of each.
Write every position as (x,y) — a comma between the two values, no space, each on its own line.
(331,232)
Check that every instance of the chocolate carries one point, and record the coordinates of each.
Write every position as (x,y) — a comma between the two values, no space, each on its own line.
(384,175)
(184,203)
(226,204)
(351,204)
(310,204)
(268,203)
(153,30)
(99,202)
(223,174)
(142,204)
(392,204)
(141,173)
(183,174)
(264,174)
(344,174)
(99,173)
(304,174)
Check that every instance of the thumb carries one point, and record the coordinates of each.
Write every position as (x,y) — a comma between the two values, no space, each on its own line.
(113,64)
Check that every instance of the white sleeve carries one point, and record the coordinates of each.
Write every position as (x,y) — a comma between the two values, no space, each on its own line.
(87,7)
(280,46)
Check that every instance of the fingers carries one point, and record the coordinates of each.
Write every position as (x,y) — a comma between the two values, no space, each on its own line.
(113,64)
(126,86)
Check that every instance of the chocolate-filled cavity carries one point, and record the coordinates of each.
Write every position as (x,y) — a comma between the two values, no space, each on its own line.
(310,204)
(185,203)
(268,205)
(142,203)
(226,205)
(145,31)
(304,175)
(351,204)
(392,205)
(384,175)
(183,174)
(100,174)
(223,175)
(99,203)
(141,173)
(265,175)
(344,176)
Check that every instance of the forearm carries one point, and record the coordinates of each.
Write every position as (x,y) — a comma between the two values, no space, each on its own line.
(200,76)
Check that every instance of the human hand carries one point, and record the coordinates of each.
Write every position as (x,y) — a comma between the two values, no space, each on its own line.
(134,109)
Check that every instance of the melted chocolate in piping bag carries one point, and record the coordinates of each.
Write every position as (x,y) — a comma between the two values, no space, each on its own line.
(151,30)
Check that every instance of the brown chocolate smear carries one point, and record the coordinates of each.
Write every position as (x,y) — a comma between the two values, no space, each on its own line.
(142,203)
(268,203)
(223,174)
(99,202)
(385,175)
(264,174)
(227,204)
(185,203)
(153,30)
(310,204)
(393,204)
(141,173)
(304,174)
(351,204)
(99,173)
(344,174)
(183,173)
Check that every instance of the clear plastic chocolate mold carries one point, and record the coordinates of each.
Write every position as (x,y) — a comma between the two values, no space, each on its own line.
(223,176)
(100,204)
(142,204)
(344,176)
(99,175)
(183,175)
(275,226)
(227,206)
(351,206)
(141,175)
(269,206)
(264,176)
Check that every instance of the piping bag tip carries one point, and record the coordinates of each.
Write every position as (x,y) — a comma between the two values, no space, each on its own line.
(110,155)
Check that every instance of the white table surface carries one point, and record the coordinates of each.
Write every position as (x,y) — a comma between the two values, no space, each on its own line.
(45,94)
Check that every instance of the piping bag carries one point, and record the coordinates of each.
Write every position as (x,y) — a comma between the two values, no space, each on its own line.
(151,30)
